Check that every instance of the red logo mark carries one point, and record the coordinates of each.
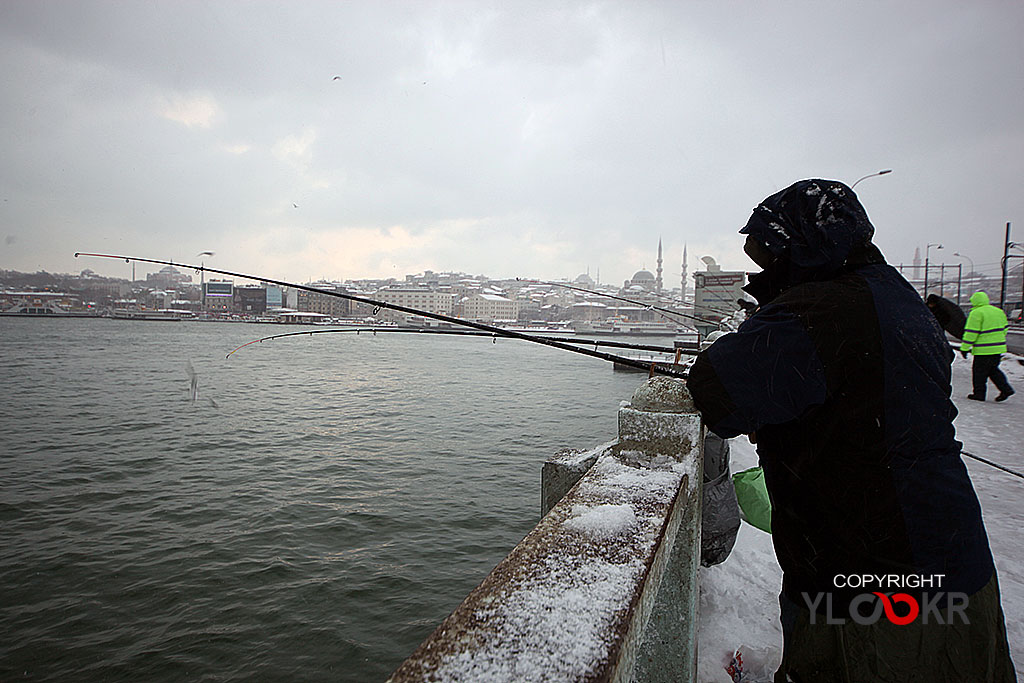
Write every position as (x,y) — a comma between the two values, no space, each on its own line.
(890,613)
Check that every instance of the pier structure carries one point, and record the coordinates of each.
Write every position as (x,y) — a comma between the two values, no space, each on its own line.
(604,588)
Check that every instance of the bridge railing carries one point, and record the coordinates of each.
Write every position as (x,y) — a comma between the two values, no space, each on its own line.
(604,588)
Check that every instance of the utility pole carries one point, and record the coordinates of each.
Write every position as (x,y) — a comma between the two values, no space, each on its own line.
(1006,253)
(926,250)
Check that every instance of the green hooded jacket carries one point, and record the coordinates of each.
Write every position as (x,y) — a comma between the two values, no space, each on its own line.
(985,331)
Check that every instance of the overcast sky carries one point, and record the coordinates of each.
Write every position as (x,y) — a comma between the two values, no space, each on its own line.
(301,140)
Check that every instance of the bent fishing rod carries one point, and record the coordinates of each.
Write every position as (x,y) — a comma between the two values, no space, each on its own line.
(653,368)
(469,333)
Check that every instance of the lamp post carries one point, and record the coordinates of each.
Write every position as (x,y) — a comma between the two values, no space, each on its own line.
(1006,258)
(957,253)
(969,260)
(937,246)
(202,281)
(870,175)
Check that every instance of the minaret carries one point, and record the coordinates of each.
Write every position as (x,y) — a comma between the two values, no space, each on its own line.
(917,262)
(682,288)
(657,280)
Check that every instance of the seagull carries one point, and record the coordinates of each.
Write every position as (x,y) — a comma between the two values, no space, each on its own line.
(295,205)
(336,78)
(205,253)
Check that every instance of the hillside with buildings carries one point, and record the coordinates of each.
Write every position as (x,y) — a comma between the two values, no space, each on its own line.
(584,303)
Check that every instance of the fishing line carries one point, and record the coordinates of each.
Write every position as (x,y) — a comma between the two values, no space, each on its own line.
(724,312)
(654,368)
(664,312)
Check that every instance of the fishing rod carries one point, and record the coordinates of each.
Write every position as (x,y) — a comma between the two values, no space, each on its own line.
(653,368)
(663,312)
(993,464)
(468,333)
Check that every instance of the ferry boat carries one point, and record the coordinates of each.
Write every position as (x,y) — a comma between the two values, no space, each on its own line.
(161,315)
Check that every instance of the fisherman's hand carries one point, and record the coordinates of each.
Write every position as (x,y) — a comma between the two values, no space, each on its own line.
(963,353)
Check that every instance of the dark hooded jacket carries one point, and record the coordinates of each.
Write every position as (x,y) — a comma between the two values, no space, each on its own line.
(844,375)
(950,316)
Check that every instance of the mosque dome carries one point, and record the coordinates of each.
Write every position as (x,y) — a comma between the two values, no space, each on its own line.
(643,276)
(584,280)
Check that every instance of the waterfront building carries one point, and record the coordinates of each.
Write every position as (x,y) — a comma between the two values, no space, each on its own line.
(324,304)
(420,298)
(218,296)
(250,300)
(489,306)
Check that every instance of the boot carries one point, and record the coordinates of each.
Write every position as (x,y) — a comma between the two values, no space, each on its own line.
(1003,395)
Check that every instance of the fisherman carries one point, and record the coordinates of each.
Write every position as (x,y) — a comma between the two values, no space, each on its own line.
(842,378)
(985,337)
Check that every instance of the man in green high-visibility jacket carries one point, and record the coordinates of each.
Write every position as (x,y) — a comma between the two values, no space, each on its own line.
(985,337)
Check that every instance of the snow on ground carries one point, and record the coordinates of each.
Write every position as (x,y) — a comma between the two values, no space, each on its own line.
(739,598)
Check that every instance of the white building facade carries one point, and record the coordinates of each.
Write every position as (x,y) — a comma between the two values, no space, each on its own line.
(489,307)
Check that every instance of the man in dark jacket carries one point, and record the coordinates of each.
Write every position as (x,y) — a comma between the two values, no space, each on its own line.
(842,377)
(950,316)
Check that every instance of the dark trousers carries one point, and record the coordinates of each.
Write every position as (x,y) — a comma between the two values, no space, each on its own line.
(987,368)
(882,652)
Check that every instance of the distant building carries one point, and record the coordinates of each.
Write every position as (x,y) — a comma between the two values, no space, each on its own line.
(168,277)
(275,296)
(715,294)
(588,310)
(218,296)
(160,299)
(489,307)
(323,303)
(420,298)
(250,300)
(585,281)
(644,279)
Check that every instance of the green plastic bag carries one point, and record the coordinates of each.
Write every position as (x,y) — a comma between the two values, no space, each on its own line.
(752,495)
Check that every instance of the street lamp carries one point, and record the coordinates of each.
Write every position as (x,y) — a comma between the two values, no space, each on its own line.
(957,253)
(937,246)
(1006,264)
(870,175)
(969,260)
(202,281)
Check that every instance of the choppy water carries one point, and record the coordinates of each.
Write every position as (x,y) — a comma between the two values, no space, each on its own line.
(317,511)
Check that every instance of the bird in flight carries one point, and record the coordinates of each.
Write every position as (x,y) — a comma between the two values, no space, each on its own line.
(336,78)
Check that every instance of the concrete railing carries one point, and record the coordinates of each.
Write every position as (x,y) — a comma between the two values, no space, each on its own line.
(605,587)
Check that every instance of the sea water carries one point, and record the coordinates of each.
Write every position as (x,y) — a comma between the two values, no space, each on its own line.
(312,513)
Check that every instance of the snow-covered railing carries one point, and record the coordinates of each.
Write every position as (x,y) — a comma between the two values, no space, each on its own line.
(605,587)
